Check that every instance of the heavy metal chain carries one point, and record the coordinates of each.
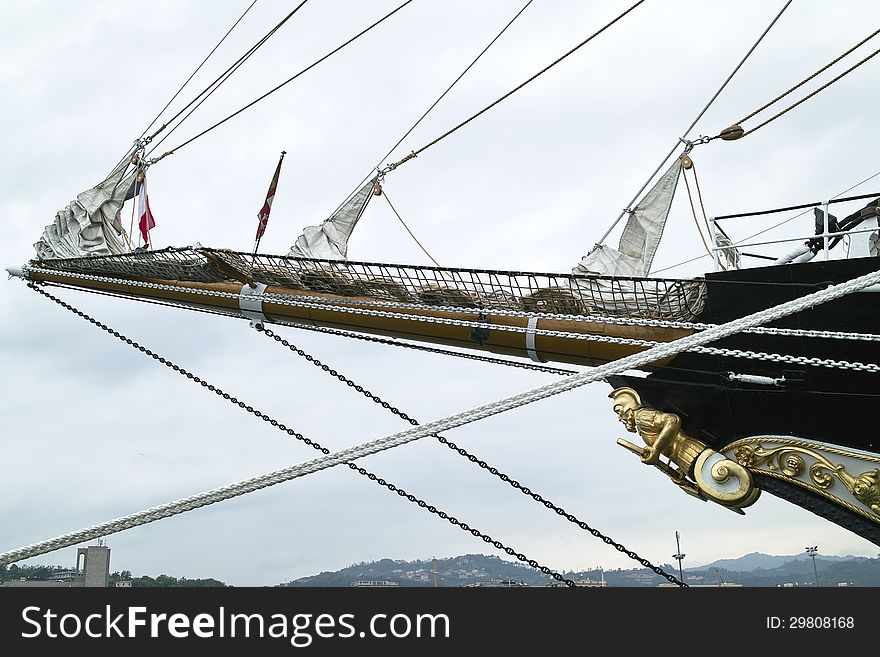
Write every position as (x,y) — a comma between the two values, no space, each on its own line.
(525,365)
(795,360)
(437,350)
(471,457)
(350,306)
(295,434)
(717,351)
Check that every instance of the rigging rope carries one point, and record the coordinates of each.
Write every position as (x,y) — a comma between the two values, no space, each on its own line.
(415,153)
(288,81)
(693,167)
(415,239)
(469,456)
(693,123)
(198,68)
(433,105)
(766,230)
(805,80)
(700,198)
(458,419)
(736,132)
(211,88)
(250,409)
(802,100)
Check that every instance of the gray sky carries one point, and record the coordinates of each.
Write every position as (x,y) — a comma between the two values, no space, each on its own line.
(93,430)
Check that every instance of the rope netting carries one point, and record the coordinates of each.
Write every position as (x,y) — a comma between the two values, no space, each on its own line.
(486,289)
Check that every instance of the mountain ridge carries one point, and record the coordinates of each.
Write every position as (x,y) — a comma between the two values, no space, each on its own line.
(754,569)
(761,560)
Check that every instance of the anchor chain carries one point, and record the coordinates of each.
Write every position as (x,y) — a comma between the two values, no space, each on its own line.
(295,434)
(436,350)
(471,457)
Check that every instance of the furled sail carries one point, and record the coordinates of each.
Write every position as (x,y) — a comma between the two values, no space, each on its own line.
(641,235)
(91,225)
(329,241)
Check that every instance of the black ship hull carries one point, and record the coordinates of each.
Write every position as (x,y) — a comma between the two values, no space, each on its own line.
(722,398)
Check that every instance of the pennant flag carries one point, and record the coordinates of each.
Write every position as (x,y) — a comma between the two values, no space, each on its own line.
(263,217)
(146,222)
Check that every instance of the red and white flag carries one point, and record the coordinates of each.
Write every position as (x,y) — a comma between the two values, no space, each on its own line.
(146,221)
(263,216)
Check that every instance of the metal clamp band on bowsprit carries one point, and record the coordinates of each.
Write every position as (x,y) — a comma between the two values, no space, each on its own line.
(530,340)
(251,302)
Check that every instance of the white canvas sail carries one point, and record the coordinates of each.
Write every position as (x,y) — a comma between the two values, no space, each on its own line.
(90,225)
(329,241)
(641,235)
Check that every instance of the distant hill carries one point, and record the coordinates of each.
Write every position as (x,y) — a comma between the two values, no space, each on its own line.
(453,571)
(755,560)
(854,571)
(756,569)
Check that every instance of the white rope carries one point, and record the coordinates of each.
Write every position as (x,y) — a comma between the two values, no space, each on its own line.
(443,424)
(352,304)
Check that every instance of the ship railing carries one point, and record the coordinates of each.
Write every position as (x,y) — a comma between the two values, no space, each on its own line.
(731,252)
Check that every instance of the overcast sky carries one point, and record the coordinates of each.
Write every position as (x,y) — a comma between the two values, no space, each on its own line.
(93,430)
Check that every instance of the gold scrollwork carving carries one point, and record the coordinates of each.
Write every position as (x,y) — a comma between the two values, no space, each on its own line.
(784,459)
(866,489)
(788,460)
(722,471)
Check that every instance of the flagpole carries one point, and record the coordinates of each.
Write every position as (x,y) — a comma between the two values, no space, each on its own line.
(146,221)
(148,241)
(263,218)
(134,202)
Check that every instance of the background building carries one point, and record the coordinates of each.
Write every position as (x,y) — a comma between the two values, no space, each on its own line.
(92,569)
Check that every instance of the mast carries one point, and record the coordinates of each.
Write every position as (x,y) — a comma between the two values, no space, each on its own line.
(678,556)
